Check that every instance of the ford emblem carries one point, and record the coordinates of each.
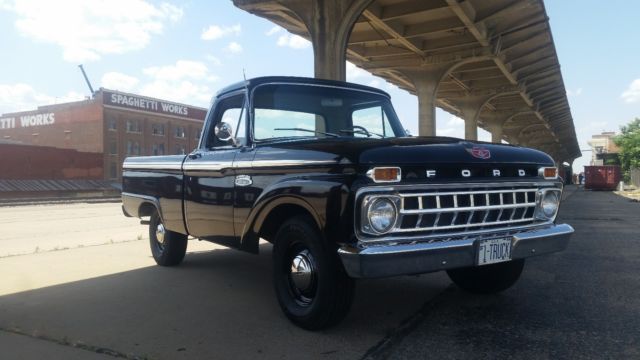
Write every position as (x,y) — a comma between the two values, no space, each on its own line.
(479,152)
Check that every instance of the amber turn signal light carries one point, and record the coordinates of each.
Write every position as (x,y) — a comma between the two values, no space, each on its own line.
(548,172)
(385,174)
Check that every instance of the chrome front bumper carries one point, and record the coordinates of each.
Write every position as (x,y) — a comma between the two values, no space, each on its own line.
(390,260)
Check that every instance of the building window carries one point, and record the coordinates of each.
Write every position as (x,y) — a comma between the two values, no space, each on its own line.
(157,129)
(113,170)
(112,124)
(158,149)
(113,147)
(180,149)
(133,126)
(180,132)
(133,148)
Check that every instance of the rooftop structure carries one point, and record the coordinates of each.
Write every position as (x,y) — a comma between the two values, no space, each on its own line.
(492,63)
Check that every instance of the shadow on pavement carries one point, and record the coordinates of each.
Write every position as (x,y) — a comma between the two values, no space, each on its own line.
(217,304)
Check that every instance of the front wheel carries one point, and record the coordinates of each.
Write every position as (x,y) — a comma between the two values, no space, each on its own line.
(487,279)
(167,247)
(312,287)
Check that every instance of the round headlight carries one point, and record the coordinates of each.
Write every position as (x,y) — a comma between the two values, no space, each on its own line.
(382,215)
(549,204)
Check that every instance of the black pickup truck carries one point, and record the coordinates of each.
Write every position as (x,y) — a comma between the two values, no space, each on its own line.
(324,171)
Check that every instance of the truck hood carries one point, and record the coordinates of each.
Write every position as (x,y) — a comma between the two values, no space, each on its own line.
(410,151)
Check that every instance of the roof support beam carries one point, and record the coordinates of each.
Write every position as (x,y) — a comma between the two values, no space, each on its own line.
(395,33)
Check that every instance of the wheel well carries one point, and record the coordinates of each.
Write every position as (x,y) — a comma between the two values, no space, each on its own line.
(146,209)
(277,217)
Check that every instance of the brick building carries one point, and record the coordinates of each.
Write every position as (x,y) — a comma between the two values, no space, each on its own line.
(112,124)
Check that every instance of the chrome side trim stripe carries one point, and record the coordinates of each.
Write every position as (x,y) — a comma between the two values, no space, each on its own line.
(151,166)
(277,163)
(217,166)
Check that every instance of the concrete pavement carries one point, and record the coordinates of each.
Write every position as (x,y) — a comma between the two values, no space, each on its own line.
(37,228)
(218,304)
(112,299)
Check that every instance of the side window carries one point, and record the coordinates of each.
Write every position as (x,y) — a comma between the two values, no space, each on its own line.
(232,111)
(374,120)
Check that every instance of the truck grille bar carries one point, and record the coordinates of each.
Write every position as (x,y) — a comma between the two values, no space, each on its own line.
(473,209)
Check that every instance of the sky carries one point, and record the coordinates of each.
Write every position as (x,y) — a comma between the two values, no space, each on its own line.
(185,51)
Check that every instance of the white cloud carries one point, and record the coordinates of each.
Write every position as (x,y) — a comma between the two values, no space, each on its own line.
(391,86)
(484,135)
(632,94)
(214,60)
(455,121)
(275,29)
(293,41)
(185,81)
(20,97)
(453,127)
(180,70)
(87,30)
(183,91)
(119,81)
(354,72)
(215,32)
(577,92)
(233,48)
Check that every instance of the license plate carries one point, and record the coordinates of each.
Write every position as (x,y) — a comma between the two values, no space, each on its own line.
(493,251)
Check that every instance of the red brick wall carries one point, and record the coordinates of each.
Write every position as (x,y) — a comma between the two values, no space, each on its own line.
(77,125)
(23,162)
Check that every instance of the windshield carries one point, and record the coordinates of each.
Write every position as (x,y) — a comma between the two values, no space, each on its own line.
(303,111)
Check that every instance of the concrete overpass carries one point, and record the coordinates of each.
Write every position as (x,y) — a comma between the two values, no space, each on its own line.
(492,63)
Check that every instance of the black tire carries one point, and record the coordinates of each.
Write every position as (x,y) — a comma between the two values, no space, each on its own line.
(318,298)
(487,279)
(170,250)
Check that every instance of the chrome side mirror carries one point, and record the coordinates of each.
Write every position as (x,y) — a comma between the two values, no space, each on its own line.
(224,133)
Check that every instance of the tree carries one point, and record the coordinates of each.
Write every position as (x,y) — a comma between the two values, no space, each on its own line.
(629,143)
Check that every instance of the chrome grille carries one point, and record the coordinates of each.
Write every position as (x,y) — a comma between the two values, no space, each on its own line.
(471,209)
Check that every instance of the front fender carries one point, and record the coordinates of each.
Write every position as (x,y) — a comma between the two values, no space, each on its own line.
(326,200)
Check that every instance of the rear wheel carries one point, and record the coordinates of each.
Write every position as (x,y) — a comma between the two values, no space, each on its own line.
(167,247)
(487,279)
(312,287)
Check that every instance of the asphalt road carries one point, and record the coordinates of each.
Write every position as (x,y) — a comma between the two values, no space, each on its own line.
(583,303)
(82,296)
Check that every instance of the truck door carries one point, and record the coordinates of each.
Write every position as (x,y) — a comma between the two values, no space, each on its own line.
(210,176)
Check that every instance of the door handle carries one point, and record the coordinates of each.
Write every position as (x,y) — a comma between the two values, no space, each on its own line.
(194,156)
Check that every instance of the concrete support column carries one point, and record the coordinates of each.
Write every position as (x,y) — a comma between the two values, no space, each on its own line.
(496,133)
(329,23)
(470,108)
(426,80)
(495,122)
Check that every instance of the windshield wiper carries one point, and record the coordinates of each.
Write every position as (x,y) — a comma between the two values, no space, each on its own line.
(309,130)
(361,132)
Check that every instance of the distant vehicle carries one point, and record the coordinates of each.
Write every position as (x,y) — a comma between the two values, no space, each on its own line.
(602,177)
(325,172)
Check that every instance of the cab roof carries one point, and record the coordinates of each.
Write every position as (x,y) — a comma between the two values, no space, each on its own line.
(251,83)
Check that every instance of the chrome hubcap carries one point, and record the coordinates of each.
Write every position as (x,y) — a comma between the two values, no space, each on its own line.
(303,271)
(160,234)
